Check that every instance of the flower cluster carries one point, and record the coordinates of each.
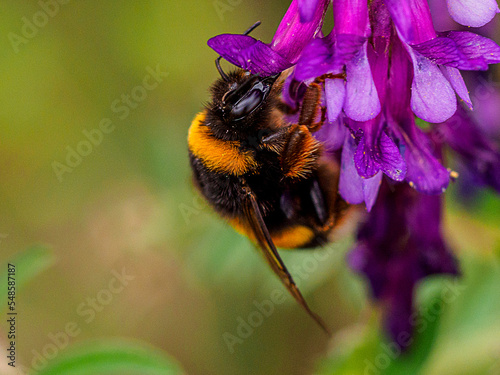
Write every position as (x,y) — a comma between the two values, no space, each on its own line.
(391,113)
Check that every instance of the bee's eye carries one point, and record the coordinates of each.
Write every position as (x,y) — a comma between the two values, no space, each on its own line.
(247,104)
(242,101)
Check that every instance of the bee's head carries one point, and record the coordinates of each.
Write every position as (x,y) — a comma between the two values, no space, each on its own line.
(246,94)
(240,102)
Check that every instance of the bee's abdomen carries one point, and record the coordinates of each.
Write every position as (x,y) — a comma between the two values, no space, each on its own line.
(222,191)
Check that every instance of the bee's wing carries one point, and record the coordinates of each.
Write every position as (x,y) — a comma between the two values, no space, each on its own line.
(256,222)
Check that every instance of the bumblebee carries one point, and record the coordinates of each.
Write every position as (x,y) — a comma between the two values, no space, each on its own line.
(267,177)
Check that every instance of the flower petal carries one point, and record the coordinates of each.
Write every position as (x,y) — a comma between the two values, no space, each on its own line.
(350,182)
(444,51)
(362,102)
(457,82)
(398,245)
(293,34)
(424,171)
(480,154)
(352,187)
(432,97)
(371,187)
(413,20)
(332,134)
(374,154)
(335,97)
(326,55)
(351,17)
(475,13)
(475,46)
(316,60)
(306,10)
(460,49)
(249,54)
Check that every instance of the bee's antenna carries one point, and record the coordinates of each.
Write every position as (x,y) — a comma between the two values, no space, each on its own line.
(219,68)
(217,60)
(252,28)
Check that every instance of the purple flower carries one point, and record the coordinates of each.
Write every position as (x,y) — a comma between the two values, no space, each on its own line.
(473,13)
(399,245)
(389,83)
(479,155)
(344,48)
(283,51)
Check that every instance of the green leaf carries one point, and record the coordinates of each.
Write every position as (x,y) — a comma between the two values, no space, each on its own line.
(113,356)
(28,264)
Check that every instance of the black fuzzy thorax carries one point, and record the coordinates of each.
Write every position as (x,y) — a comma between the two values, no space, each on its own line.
(252,127)
(284,202)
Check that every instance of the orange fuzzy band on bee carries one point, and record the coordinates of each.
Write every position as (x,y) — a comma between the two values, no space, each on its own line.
(288,238)
(216,154)
(301,154)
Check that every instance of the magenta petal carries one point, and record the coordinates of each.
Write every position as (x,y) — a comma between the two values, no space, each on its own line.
(332,134)
(413,19)
(350,182)
(249,54)
(398,245)
(362,102)
(326,55)
(424,171)
(460,49)
(306,9)
(475,46)
(475,13)
(316,60)
(457,82)
(444,51)
(371,187)
(352,187)
(384,155)
(335,96)
(293,34)
(432,97)
(346,46)
(351,17)
(480,154)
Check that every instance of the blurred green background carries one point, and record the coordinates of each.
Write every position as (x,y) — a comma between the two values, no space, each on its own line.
(127,206)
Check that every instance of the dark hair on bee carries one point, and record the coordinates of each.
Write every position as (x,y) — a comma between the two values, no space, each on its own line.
(268,177)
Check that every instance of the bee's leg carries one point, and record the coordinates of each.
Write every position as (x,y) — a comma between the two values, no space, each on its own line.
(310,104)
(277,140)
(297,148)
(312,100)
(300,152)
